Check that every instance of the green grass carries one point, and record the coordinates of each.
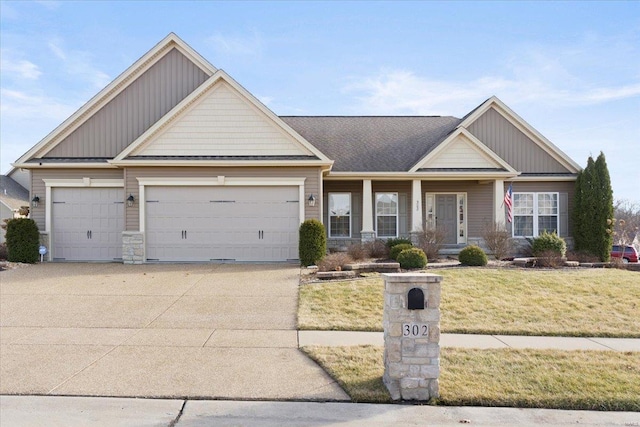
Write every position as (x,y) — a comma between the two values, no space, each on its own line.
(588,380)
(584,302)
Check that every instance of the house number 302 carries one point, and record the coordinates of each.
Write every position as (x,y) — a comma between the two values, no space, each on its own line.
(415,330)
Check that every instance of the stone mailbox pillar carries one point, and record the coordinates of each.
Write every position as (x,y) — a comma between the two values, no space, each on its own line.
(412,335)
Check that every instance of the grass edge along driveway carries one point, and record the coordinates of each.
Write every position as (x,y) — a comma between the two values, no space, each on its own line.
(585,380)
(504,301)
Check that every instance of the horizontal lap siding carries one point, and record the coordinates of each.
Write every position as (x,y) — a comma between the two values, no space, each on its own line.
(479,201)
(38,186)
(567,187)
(312,183)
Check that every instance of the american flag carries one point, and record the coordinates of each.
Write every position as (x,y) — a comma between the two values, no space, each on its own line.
(508,201)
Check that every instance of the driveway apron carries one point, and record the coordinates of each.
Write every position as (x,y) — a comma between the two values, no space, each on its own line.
(160,330)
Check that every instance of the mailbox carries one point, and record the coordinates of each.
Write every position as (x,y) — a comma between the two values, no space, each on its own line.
(415,299)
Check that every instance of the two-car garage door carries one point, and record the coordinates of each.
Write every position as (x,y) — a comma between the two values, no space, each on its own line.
(222,223)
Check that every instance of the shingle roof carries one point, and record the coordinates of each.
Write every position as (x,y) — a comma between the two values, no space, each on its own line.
(278,157)
(373,144)
(13,194)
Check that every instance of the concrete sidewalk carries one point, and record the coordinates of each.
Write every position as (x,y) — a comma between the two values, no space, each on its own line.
(18,411)
(347,338)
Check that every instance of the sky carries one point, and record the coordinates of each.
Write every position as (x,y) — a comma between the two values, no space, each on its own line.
(570,69)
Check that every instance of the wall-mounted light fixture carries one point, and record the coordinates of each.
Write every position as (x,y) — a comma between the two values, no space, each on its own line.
(130,200)
(35,201)
(312,200)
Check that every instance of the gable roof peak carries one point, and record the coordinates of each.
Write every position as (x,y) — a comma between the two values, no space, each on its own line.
(113,89)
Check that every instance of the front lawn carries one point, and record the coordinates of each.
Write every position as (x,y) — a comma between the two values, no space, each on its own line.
(588,380)
(508,301)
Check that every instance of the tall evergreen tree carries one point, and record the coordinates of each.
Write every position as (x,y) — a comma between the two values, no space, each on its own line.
(593,207)
(604,215)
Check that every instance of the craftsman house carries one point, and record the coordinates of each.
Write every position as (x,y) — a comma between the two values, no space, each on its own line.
(176,161)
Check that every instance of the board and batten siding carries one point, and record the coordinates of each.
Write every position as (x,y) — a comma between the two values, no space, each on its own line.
(512,145)
(566,190)
(223,123)
(132,112)
(312,183)
(38,187)
(479,202)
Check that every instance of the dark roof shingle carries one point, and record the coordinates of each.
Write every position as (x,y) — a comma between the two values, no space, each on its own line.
(13,194)
(373,143)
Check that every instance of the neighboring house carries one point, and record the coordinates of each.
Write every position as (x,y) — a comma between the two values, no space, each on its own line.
(175,161)
(13,197)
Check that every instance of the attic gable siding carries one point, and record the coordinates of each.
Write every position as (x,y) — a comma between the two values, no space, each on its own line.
(133,111)
(461,154)
(512,145)
(223,123)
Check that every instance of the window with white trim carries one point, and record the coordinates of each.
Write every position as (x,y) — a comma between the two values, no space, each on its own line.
(339,214)
(387,214)
(534,213)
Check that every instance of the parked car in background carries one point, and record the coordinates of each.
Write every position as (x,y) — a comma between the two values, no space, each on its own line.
(630,254)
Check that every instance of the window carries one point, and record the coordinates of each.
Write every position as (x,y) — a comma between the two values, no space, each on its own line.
(534,213)
(387,214)
(339,214)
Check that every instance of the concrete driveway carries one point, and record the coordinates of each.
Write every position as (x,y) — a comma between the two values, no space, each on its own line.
(179,330)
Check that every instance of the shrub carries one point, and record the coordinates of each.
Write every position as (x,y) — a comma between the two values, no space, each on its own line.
(581,256)
(548,242)
(334,261)
(498,240)
(412,258)
(431,241)
(23,240)
(358,251)
(3,251)
(550,259)
(473,255)
(395,250)
(397,241)
(313,242)
(377,249)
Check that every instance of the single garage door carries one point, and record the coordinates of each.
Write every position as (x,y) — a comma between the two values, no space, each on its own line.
(222,223)
(87,224)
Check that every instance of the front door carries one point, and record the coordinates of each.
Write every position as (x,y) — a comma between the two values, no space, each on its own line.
(446,216)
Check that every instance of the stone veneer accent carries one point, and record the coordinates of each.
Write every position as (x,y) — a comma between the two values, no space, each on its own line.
(411,363)
(132,247)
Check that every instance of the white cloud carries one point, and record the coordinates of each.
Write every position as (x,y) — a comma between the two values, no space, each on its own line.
(24,106)
(20,68)
(79,64)
(251,44)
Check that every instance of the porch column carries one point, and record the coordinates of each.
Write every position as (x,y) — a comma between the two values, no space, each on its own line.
(416,210)
(498,197)
(367,233)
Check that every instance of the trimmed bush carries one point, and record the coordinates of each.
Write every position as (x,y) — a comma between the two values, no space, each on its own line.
(397,241)
(546,242)
(395,250)
(3,251)
(313,242)
(473,255)
(334,261)
(23,240)
(412,258)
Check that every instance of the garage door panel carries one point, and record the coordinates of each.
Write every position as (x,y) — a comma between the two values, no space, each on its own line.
(222,223)
(87,224)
